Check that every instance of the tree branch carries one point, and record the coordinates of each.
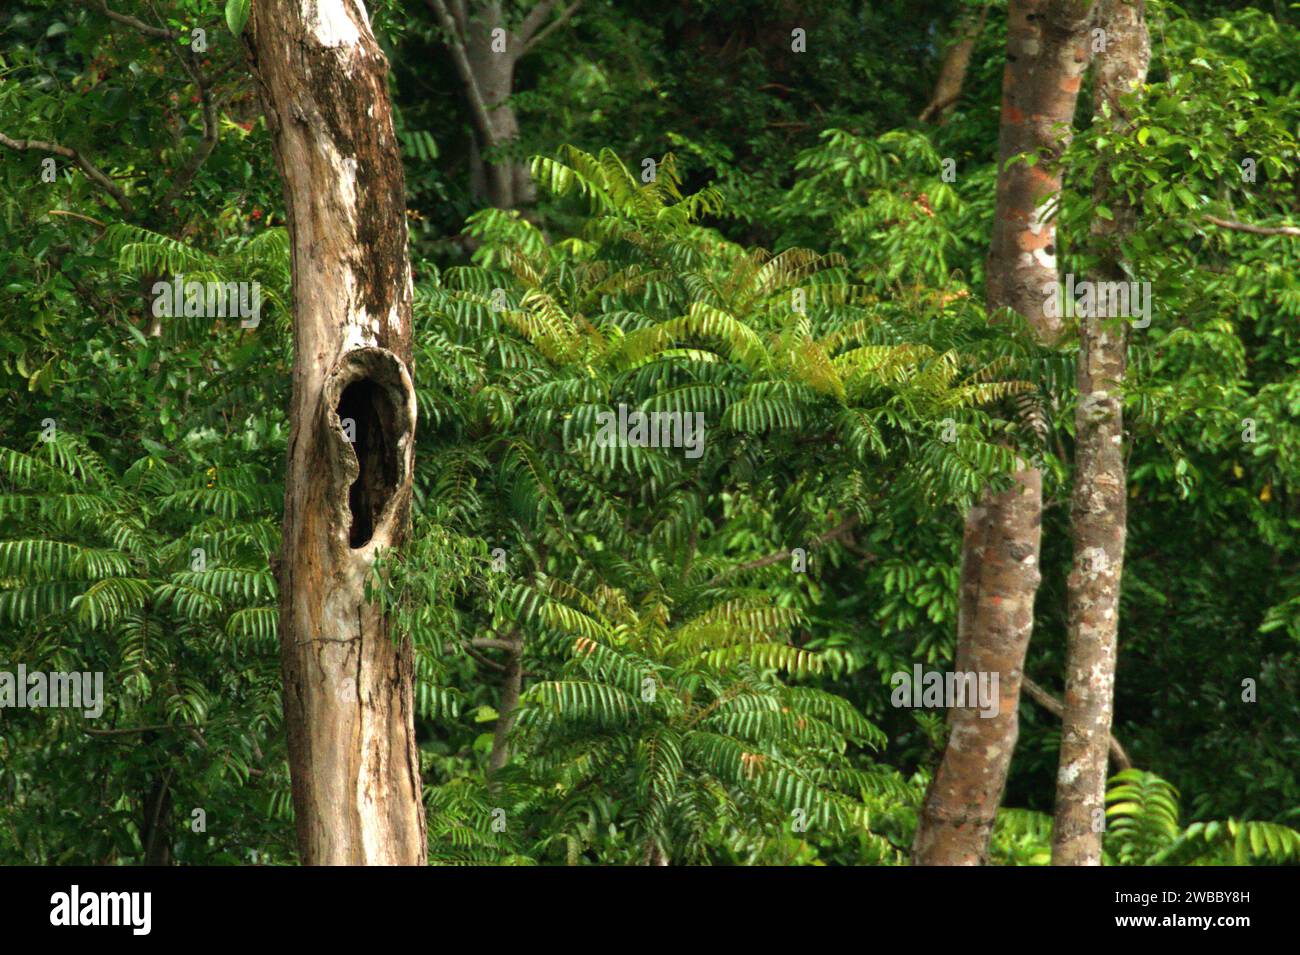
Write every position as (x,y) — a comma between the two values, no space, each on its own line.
(839,530)
(134,22)
(89,168)
(202,83)
(460,11)
(488,643)
(954,67)
(530,24)
(128,729)
(211,128)
(1253,229)
(529,41)
(511,686)
(77,215)
(151,839)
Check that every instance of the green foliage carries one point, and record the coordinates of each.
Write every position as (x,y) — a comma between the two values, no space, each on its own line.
(237,14)
(155,578)
(1143,828)
(805,271)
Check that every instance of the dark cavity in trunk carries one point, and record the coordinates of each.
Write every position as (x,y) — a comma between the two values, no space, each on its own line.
(372,413)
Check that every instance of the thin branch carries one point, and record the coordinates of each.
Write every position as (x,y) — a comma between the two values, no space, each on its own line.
(554,25)
(839,530)
(460,11)
(962,49)
(211,127)
(152,840)
(1253,229)
(530,24)
(89,168)
(127,729)
(134,22)
(935,108)
(211,136)
(488,643)
(77,215)
(479,658)
(453,25)
(472,647)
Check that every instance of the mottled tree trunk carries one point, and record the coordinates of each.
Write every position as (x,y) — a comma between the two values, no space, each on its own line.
(1047,55)
(348,697)
(1098,509)
(953,67)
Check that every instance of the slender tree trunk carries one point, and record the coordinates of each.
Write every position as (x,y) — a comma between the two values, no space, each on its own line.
(487,75)
(654,856)
(953,67)
(156,822)
(511,685)
(508,183)
(347,683)
(485,52)
(1099,506)
(1047,55)
(1057,709)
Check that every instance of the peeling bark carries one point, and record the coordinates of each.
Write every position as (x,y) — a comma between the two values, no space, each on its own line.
(1047,54)
(348,686)
(1099,506)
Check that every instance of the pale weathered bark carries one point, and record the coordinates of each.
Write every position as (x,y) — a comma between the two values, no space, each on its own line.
(954,66)
(1047,55)
(485,52)
(1098,511)
(348,684)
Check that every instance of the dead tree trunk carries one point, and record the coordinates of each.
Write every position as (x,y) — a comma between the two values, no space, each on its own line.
(1046,58)
(348,697)
(1098,511)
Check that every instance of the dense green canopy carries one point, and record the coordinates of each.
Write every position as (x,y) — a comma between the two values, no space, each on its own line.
(725,231)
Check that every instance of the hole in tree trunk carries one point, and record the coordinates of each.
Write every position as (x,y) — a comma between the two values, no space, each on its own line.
(372,413)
